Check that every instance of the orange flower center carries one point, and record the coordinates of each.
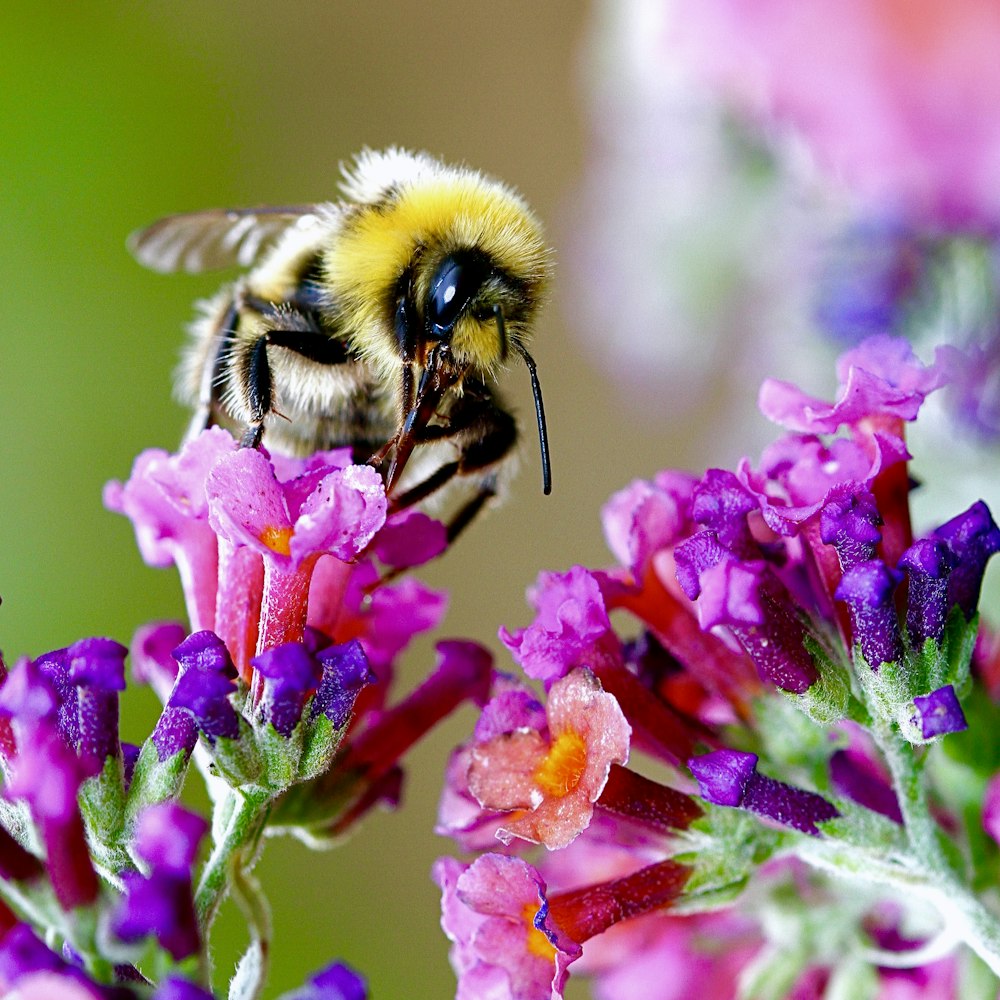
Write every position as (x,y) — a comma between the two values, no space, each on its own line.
(278,540)
(538,944)
(563,766)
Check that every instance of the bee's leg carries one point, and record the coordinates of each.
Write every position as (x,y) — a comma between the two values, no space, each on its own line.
(484,435)
(305,339)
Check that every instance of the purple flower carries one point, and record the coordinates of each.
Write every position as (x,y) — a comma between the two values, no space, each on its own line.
(721,503)
(345,672)
(97,668)
(868,589)
(849,521)
(30,970)
(290,675)
(971,538)
(939,713)
(162,904)
(730,778)
(335,982)
(167,837)
(928,564)
(204,685)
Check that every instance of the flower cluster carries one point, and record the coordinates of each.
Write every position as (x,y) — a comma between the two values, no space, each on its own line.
(279,693)
(795,663)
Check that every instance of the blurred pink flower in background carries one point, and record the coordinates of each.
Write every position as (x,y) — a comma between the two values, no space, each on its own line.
(898,99)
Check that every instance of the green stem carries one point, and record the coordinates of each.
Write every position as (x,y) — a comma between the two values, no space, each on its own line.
(234,853)
(961,910)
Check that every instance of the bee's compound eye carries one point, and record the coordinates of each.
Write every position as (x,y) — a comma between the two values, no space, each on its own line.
(457,280)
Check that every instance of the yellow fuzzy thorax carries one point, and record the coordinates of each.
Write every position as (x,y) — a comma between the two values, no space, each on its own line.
(419,224)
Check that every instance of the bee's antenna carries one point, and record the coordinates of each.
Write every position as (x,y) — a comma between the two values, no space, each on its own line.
(536,389)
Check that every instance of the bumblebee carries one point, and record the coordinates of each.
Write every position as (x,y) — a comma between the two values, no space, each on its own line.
(380,322)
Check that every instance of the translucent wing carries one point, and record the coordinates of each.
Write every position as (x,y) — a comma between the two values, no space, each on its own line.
(205,241)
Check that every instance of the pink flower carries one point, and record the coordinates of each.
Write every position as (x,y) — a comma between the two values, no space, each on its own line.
(554,777)
(646,517)
(569,628)
(494,911)
(899,100)
(882,377)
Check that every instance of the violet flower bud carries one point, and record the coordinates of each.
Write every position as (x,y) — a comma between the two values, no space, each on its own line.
(97,668)
(868,589)
(345,672)
(939,713)
(205,694)
(290,675)
(928,564)
(971,537)
(730,778)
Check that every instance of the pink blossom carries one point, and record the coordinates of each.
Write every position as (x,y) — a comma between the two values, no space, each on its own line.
(553,778)
(410,538)
(880,377)
(494,912)
(646,517)
(899,100)
(569,628)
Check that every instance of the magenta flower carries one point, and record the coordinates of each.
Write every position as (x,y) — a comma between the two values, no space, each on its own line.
(572,628)
(166,502)
(881,377)
(289,525)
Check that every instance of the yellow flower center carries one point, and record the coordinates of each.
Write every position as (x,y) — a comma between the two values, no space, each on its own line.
(538,944)
(278,540)
(563,766)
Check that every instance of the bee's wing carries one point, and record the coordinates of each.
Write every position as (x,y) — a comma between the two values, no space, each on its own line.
(205,241)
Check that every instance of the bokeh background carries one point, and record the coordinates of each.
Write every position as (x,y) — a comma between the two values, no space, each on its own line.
(114,114)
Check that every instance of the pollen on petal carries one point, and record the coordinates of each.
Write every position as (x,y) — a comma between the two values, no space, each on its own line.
(564,764)
(277,539)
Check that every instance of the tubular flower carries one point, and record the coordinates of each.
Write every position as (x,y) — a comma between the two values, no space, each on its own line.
(782,623)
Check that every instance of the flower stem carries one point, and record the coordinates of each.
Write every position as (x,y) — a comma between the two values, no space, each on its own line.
(235,851)
(961,910)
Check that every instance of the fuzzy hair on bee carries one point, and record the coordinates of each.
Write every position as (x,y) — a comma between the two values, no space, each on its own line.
(381,321)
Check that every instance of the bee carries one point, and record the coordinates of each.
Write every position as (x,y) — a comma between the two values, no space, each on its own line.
(380,322)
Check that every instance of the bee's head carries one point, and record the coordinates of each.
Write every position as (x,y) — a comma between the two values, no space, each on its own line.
(469,305)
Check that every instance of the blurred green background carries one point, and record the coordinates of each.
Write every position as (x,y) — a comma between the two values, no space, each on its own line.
(113,114)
